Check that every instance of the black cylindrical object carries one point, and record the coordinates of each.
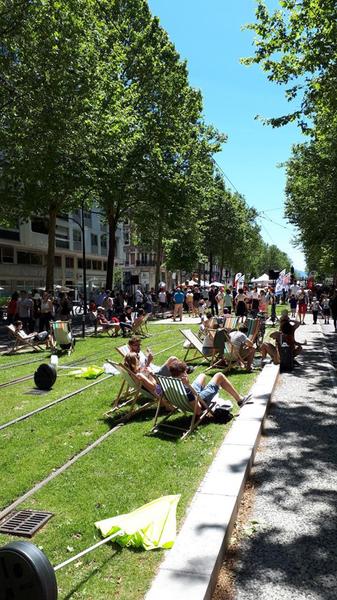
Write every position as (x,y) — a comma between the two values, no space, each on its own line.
(26,573)
(45,377)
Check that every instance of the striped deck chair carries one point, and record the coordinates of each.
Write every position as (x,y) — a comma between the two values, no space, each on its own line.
(253,328)
(230,323)
(63,337)
(130,392)
(175,393)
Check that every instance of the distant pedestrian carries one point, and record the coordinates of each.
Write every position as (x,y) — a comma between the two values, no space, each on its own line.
(139,297)
(315,306)
(333,308)
(326,309)
(293,305)
(212,300)
(12,308)
(178,298)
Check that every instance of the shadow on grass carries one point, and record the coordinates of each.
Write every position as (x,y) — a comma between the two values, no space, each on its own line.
(96,571)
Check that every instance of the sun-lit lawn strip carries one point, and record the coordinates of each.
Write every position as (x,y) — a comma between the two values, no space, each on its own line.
(127,470)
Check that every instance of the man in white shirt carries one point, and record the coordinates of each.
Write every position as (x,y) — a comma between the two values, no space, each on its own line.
(139,297)
(245,348)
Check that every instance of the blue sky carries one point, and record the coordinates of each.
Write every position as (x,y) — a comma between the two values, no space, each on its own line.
(208,34)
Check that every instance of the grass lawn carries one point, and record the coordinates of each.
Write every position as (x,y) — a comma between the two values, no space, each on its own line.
(124,472)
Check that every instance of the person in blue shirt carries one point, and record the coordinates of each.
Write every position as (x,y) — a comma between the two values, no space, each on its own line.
(178,299)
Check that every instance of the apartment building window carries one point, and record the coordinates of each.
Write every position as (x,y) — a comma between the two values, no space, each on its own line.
(69,262)
(126,235)
(104,241)
(58,261)
(97,265)
(87,263)
(27,258)
(6,254)
(40,225)
(62,237)
(10,233)
(87,218)
(132,258)
(94,241)
(77,235)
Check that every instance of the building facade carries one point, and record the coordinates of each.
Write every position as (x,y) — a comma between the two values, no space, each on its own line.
(23,252)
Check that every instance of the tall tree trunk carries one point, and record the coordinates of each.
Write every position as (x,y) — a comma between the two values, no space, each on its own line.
(199,272)
(221,266)
(111,253)
(51,249)
(159,251)
(210,267)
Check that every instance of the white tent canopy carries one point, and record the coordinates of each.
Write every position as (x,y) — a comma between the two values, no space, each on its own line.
(192,282)
(263,278)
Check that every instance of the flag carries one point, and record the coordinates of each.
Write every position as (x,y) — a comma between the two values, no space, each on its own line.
(239,280)
(151,526)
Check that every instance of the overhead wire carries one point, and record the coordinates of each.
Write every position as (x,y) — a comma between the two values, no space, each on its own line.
(261,214)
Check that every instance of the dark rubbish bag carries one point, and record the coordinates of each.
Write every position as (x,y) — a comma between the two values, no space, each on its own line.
(286,358)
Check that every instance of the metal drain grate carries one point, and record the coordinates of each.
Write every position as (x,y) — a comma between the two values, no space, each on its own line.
(24,522)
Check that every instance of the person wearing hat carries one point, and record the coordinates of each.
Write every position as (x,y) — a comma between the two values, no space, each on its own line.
(288,328)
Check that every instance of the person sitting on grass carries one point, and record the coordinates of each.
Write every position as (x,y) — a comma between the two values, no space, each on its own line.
(44,337)
(271,350)
(244,346)
(200,387)
(145,360)
(102,320)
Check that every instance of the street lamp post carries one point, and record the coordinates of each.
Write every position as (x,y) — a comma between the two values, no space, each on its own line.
(84,268)
(84,315)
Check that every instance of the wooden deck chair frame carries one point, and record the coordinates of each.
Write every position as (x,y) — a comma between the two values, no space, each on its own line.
(21,342)
(174,393)
(130,392)
(223,350)
(195,346)
(141,328)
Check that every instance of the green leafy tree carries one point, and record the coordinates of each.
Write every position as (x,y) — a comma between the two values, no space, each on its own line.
(296,45)
(48,64)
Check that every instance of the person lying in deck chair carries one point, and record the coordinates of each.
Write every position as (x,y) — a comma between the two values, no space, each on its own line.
(145,376)
(114,324)
(145,360)
(44,337)
(206,391)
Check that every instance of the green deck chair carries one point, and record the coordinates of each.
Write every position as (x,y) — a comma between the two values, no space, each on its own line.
(175,393)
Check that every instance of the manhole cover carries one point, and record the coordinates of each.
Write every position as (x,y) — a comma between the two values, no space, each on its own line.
(24,522)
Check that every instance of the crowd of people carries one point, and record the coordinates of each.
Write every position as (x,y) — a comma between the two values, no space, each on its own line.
(35,310)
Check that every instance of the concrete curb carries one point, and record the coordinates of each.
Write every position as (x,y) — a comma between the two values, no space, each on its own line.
(190,569)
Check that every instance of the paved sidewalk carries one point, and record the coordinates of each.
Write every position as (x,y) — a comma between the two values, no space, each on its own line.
(292,555)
